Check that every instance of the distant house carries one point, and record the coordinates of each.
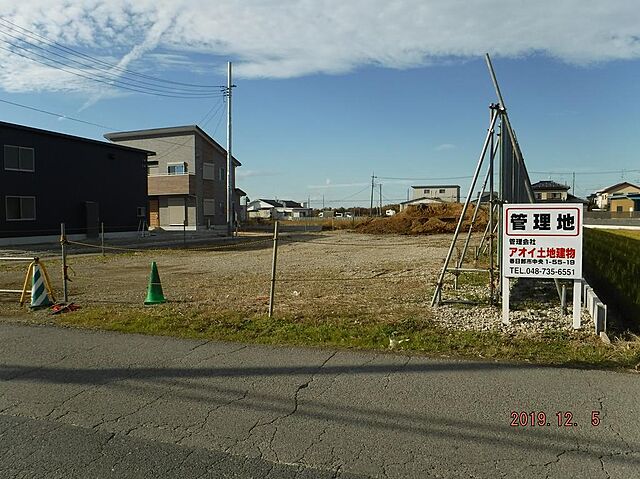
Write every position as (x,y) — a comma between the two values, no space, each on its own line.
(603,196)
(446,193)
(277,209)
(627,202)
(48,178)
(187,179)
(548,191)
(390,212)
(419,201)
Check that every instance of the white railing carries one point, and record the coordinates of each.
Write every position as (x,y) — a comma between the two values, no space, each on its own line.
(172,174)
(596,308)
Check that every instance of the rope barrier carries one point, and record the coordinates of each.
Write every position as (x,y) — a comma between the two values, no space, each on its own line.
(151,246)
(240,243)
(367,245)
(121,248)
(328,280)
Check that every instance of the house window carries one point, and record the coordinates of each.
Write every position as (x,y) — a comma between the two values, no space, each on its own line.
(427,191)
(209,207)
(221,174)
(176,168)
(208,171)
(20,208)
(538,196)
(18,158)
(441,191)
(152,167)
(555,195)
(141,211)
(619,209)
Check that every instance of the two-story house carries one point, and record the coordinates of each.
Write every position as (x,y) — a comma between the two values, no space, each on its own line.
(187,179)
(550,191)
(277,209)
(446,193)
(48,178)
(603,196)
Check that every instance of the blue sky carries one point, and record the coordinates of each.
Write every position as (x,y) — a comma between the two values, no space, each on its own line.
(328,93)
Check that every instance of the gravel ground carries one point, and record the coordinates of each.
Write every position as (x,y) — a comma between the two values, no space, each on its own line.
(336,272)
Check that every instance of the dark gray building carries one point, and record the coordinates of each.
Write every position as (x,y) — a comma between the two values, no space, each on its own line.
(48,178)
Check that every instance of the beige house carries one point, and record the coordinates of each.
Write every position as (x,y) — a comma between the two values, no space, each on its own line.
(603,197)
(446,193)
(550,191)
(624,203)
(187,179)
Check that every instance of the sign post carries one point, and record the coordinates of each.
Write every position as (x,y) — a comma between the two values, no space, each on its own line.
(542,241)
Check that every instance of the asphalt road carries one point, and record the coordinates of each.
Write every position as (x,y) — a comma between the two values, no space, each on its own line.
(92,404)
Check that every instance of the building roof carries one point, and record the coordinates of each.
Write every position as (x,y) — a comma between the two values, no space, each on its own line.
(437,186)
(240,192)
(269,202)
(616,186)
(423,199)
(549,185)
(281,203)
(625,196)
(291,204)
(30,129)
(168,131)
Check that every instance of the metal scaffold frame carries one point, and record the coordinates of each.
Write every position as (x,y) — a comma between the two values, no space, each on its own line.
(514,186)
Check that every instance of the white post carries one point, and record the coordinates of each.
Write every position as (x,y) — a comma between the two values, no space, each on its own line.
(577,293)
(505,300)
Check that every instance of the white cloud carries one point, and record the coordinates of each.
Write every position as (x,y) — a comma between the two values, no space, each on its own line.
(445,146)
(280,39)
(328,185)
(241,174)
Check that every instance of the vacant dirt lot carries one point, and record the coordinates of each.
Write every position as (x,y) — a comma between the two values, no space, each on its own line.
(323,271)
(337,273)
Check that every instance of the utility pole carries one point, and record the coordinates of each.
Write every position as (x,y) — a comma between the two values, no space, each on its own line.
(380,198)
(323,202)
(230,175)
(372,186)
(573,184)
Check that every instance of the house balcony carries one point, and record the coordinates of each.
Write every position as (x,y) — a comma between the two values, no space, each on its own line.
(177,184)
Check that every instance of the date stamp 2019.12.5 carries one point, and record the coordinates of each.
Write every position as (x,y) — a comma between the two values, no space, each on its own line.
(557,419)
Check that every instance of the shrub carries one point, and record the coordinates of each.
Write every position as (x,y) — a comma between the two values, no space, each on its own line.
(611,264)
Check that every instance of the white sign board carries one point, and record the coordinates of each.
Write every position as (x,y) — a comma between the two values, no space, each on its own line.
(542,240)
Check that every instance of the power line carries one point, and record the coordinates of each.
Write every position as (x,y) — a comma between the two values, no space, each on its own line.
(109,82)
(354,194)
(59,115)
(111,76)
(58,46)
(184,143)
(78,120)
(610,172)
